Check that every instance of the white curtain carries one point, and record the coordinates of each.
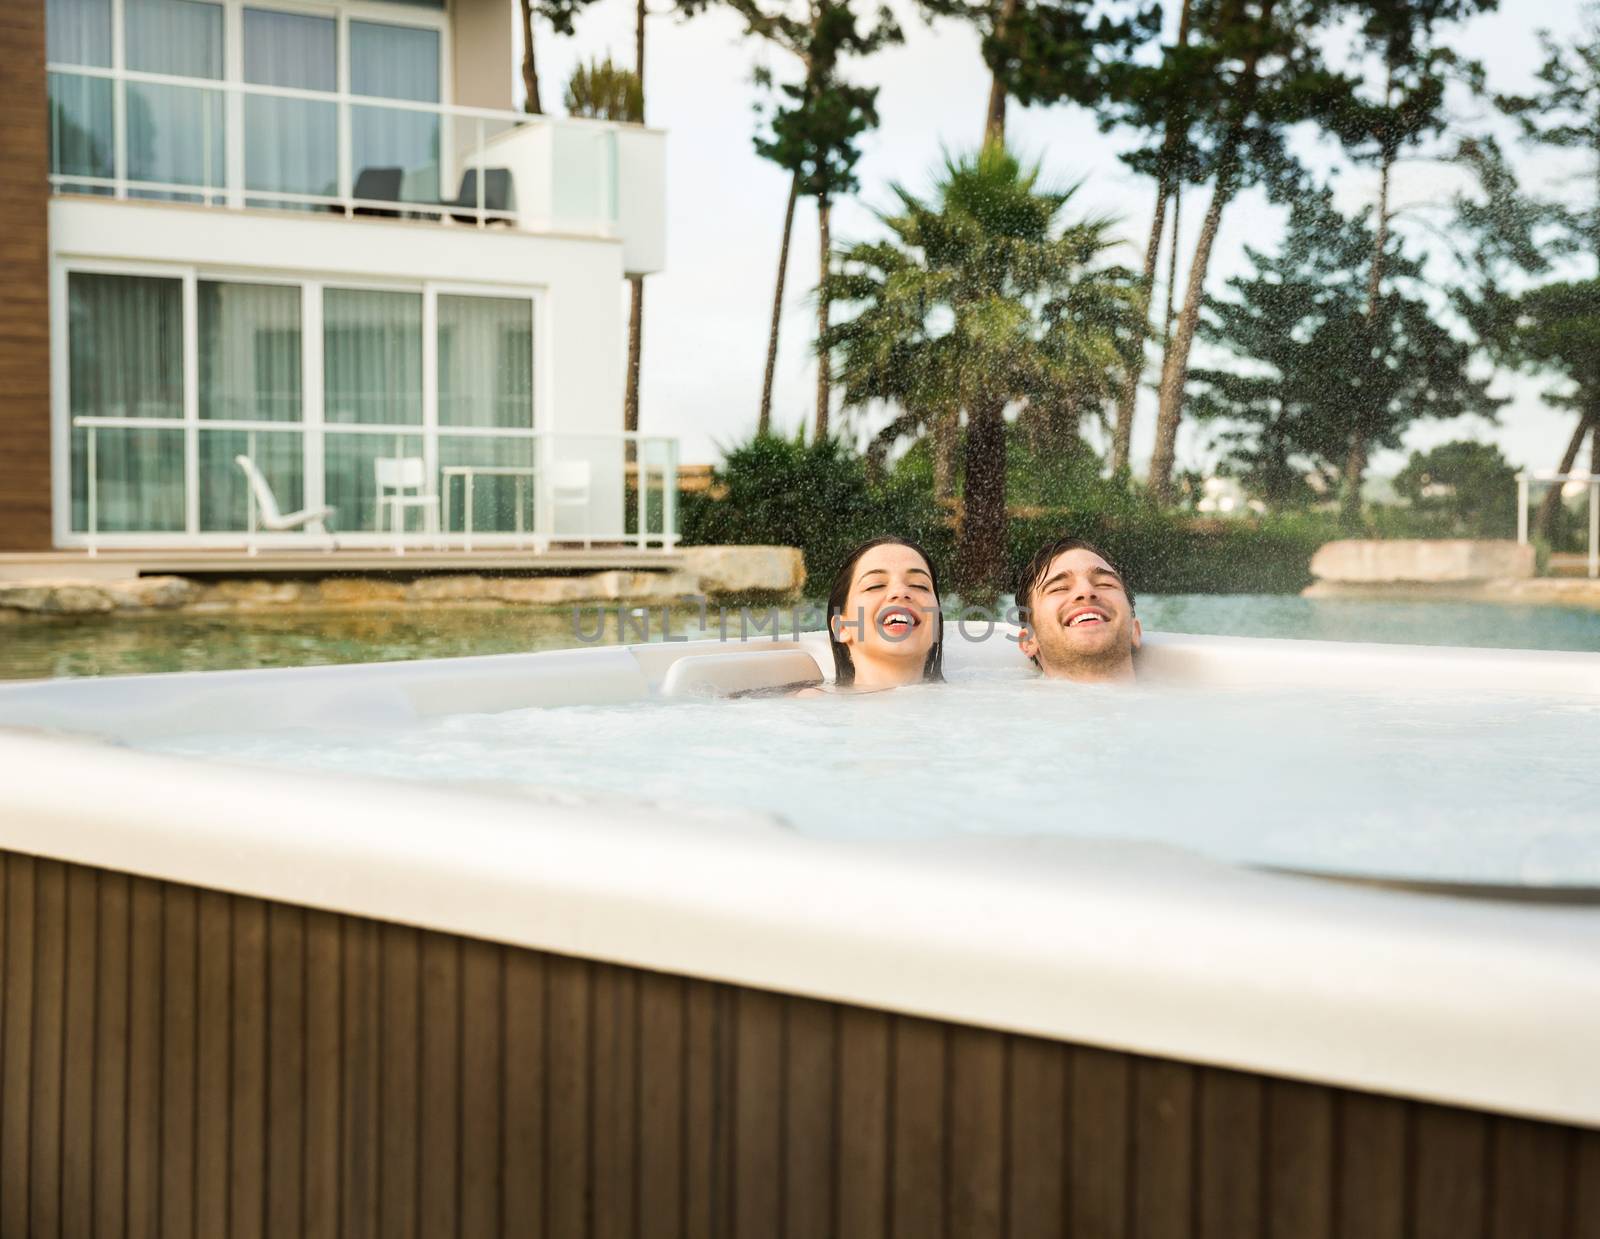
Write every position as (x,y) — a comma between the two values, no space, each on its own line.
(125,359)
(175,133)
(486,379)
(291,145)
(396,62)
(486,361)
(372,357)
(78,32)
(372,375)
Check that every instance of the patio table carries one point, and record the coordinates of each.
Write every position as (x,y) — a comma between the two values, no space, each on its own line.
(467,473)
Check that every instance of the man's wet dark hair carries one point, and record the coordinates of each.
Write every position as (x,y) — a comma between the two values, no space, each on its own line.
(1032,576)
(844,671)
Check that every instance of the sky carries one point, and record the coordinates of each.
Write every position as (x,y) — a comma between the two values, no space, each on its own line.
(707,314)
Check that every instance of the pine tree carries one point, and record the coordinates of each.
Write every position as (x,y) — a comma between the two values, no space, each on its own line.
(1319,366)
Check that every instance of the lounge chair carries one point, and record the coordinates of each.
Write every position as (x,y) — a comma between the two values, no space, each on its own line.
(264,513)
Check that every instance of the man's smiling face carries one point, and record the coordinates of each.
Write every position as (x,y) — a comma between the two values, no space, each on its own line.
(1081,624)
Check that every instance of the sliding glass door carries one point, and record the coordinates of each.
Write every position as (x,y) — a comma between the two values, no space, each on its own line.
(372,349)
(250,372)
(291,145)
(445,379)
(125,363)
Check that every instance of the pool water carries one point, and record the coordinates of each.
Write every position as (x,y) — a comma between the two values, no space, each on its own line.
(130,645)
(1440,787)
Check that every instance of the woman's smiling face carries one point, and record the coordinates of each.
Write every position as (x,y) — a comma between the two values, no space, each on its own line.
(891,614)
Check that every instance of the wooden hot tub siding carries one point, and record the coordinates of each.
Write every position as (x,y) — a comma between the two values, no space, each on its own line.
(180,1062)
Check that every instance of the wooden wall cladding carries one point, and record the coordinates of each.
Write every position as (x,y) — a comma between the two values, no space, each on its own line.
(24,281)
(179,1062)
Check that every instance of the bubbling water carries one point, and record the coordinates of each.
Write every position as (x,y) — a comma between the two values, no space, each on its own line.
(1445,787)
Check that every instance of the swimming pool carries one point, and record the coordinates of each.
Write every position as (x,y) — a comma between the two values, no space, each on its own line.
(660,997)
(124,645)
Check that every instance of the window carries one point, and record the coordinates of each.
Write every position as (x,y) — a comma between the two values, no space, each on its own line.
(396,62)
(176,134)
(250,368)
(291,145)
(315,432)
(78,32)
(125,361)
(172,138)
(486,382)
(372,367)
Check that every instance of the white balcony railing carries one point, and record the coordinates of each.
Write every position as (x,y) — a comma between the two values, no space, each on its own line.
(160,481)
(126,134)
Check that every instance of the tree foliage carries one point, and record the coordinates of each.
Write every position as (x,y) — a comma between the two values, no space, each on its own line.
(1469,486)
(601,90)
(1314,367)
(982,297)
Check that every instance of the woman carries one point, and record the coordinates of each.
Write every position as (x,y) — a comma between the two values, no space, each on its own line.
(883,619)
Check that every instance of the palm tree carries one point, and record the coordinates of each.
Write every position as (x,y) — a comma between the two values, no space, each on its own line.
(983,298)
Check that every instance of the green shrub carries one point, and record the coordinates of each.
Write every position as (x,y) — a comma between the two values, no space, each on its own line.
(820,498)
(816,496)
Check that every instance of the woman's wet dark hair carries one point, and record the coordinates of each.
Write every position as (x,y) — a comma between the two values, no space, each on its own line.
(844,671)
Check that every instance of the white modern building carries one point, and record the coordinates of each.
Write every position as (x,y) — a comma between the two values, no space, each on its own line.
(305,269)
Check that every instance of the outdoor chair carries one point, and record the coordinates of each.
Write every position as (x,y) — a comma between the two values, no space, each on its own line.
(264,513)
(401,482)
(378,185)
(498,195)
(569,488)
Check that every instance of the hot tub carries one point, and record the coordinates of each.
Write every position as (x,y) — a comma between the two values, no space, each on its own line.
(241,1000)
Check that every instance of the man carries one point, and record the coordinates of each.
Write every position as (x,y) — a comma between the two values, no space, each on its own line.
(1077,614)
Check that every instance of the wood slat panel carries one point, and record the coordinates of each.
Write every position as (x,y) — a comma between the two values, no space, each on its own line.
(758,1184)
(77,1096)
(1099,1098)
(179,968)
(286,1069)
(1163,1149)
(863,1123)
(918,1129)
(1449,1149)
(1529,1184)
(214,1047)
(145,1005)
(399,1103)
(663,1146)
(976,1147)
(704,1111)
(1299,1160)
(49,1000)
(809,1084)
(360,1078)
(1036,1186)
(1229,1180)
(182,1062)
(439,1133)
(613,1101)
(525,1077)
(1373,1143)
(566,1078)
(1583,1185)
(111,1058)
(16,1071)
(247,1157)
(324,1001)
(482,1072)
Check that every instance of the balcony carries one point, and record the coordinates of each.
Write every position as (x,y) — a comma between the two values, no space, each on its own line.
(125,134)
